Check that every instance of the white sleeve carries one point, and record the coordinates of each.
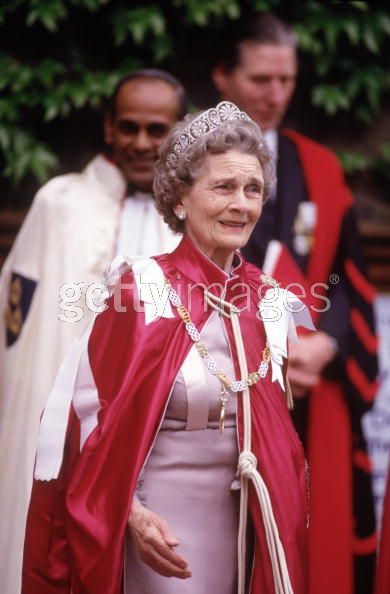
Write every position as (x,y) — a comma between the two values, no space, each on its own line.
(73,383)
(85,398)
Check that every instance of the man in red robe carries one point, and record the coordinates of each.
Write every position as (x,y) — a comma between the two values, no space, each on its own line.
(333,372)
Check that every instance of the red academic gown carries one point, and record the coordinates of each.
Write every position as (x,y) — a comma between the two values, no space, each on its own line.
(339,466)
(76,524)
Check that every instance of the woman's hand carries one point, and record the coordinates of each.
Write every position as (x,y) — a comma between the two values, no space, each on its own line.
(306,361)
(155,543)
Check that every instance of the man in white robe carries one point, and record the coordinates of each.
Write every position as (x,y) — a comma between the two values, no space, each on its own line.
(76,224)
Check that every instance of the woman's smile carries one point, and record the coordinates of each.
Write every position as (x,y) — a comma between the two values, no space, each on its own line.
(232,225)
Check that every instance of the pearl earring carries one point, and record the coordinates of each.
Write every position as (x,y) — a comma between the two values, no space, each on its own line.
(181,214)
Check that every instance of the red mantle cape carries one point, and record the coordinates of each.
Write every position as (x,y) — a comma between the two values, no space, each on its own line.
(76,524)
(330,460)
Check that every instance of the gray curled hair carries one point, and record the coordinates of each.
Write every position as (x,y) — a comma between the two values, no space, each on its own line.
(171,183)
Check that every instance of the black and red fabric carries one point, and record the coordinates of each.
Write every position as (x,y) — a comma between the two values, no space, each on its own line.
(342,534)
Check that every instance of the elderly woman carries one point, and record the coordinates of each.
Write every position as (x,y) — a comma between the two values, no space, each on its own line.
(174,393)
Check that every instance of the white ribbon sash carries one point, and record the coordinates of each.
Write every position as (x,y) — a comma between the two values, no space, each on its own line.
(151,290)
(54,422)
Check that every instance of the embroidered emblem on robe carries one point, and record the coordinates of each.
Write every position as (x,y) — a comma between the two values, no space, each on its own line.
(304,228)
(20,296)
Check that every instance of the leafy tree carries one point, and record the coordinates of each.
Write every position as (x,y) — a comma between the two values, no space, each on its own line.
(59,60)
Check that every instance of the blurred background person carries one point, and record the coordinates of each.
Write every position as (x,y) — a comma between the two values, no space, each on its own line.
(76,224)
(308,233)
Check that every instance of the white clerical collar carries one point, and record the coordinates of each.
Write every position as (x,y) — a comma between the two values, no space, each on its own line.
(138,195)
(107,174)
(271,137)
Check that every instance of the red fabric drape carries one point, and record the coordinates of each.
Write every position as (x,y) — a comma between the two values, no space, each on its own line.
(331,526)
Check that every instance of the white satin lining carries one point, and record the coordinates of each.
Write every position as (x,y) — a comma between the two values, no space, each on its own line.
(70,385)
(55,417)
(85,399)
(194,376)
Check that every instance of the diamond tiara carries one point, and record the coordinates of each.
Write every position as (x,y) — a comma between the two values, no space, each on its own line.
(202,125)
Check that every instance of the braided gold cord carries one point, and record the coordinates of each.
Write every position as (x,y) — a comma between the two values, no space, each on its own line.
(253,378)
(289,396)
(202,349)
(223,378)
(184,314)
(266,354)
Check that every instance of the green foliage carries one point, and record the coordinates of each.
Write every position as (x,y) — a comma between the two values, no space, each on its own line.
(380,165)
(53,90)
(200,12)
(143,25)
(138,23)
(346,47)
(74,51)
(353,162)
(47,12)
(24,155)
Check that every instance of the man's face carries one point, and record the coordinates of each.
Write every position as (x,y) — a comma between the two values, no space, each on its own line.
(263,82)
(145,111)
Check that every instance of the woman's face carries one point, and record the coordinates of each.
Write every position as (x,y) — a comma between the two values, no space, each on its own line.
(224,204)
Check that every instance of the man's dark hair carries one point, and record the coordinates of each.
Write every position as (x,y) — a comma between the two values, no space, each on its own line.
(262,28)
(153,74)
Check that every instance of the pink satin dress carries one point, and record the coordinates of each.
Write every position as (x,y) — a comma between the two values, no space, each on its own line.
(189,480)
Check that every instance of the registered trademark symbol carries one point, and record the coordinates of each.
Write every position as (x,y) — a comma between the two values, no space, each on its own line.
(334,279)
